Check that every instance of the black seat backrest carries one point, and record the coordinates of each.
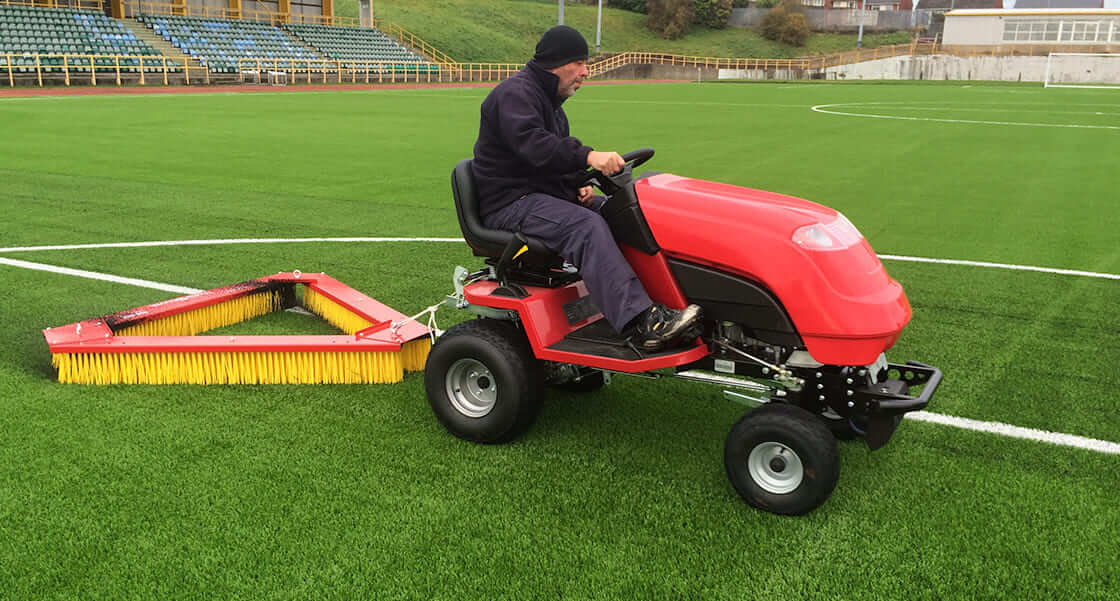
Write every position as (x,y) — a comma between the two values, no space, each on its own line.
(485,241)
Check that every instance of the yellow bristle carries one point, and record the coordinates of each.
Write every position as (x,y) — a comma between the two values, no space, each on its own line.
(415,353)
(229,368)
(335,314)
(214,316)
(243,368)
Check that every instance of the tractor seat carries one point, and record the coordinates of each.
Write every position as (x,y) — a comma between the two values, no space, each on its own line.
(539,266)
(484,241)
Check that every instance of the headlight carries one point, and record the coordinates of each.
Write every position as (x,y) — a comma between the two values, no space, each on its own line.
(837,234)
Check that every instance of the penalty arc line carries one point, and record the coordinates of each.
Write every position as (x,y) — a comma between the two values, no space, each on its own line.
(998,428)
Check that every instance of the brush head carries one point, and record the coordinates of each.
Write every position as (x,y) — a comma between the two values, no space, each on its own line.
(157,344)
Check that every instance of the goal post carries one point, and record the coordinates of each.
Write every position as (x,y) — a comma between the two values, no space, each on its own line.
(1082,70)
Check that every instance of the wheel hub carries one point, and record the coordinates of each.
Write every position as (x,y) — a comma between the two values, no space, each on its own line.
(775,467)
(471,388)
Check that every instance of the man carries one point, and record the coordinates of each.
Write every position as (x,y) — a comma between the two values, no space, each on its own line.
(529,173)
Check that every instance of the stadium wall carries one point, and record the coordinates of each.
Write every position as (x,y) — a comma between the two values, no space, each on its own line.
(955,68)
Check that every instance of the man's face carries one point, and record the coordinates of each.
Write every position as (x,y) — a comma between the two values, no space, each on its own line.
(571,77)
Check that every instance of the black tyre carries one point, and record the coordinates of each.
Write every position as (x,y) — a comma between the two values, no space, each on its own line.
(588,383)
(483,382)
(782,459)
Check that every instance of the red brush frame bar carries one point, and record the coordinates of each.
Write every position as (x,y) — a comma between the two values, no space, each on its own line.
(96,335)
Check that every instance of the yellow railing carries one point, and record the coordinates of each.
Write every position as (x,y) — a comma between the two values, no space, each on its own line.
(75,66)
(655,58)
(868,54)
(409,39)
(302,19)
(135,9)
(75,4)
(147,70)
(485,71)
(623,59)
(343,71)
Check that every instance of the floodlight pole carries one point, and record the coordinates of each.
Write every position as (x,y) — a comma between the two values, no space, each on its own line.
(862,14)
(598,27)
(561,22)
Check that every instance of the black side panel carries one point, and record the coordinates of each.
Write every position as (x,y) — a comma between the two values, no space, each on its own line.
(628,224)
(726,297)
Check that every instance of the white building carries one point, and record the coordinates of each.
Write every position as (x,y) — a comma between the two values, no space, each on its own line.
(990,27)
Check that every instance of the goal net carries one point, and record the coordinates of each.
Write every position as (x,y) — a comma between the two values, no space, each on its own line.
(1082,70)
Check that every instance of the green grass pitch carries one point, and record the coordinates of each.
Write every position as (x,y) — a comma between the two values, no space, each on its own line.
(357,492)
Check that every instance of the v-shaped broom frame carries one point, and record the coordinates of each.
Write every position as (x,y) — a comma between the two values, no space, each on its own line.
(384,329)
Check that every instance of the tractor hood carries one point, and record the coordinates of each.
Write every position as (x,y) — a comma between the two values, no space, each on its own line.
(825,274)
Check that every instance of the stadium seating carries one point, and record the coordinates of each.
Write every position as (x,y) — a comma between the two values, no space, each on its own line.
(58,31)
(354,44)
(219,43)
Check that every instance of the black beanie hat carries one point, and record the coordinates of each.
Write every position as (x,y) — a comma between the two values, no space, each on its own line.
(560,46)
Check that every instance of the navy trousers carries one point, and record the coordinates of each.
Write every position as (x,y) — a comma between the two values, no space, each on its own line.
(581,236)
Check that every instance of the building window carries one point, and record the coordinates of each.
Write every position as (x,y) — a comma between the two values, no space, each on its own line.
(1057,31)
(816,3)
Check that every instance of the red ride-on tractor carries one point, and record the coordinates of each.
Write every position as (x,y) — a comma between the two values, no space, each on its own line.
(798,312)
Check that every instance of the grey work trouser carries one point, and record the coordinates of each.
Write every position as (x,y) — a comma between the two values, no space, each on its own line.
(581,236)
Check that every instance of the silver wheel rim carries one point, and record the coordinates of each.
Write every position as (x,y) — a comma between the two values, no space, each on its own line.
(775,468)
(471,388)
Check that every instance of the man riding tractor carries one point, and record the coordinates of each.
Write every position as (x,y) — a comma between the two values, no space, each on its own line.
(530,175)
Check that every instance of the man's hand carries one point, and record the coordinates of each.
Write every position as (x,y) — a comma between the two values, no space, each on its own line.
(608,163)
(586,193)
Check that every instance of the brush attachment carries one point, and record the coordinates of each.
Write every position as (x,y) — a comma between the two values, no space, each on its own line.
(158,344)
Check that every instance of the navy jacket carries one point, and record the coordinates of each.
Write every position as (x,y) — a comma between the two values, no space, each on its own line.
(523,143)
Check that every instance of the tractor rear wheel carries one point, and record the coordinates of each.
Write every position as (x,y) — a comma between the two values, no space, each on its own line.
(782,459)
(483,383)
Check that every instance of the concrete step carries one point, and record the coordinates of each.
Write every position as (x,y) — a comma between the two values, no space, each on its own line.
(296,40)
(163,46)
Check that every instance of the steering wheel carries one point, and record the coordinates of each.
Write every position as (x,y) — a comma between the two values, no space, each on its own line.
(632,159)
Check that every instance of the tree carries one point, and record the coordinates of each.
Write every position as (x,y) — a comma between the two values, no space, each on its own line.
(785,23)
(712,13)
(670,19)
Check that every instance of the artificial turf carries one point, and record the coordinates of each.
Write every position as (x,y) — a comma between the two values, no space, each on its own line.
(357,492)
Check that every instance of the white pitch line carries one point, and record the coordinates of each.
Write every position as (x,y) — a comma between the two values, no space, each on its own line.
(820,108)
(1058,438)
(216,242)
(998,428)
(1001,429)
(93,275)
(151,243)
(1088,274)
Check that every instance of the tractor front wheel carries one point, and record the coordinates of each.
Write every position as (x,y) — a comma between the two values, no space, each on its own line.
(782,459)
(483,383)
